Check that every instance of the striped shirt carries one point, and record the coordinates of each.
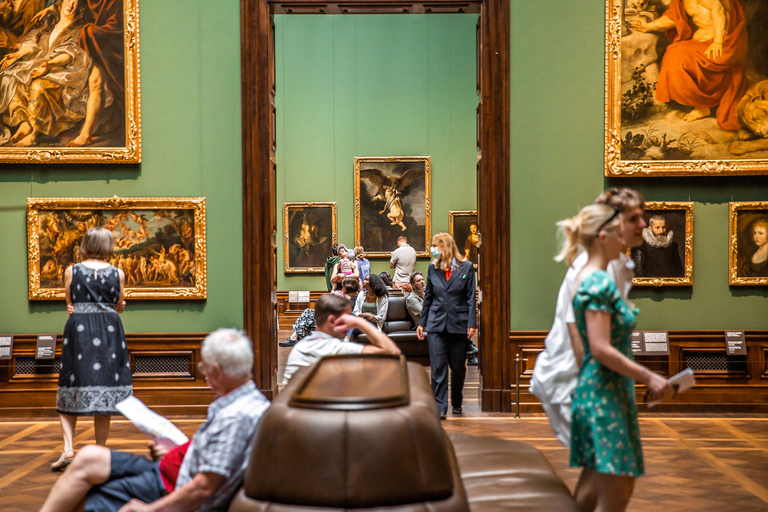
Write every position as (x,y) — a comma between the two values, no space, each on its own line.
(222,444)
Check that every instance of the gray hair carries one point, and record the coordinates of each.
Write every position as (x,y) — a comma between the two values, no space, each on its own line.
(656,218)
(231,349)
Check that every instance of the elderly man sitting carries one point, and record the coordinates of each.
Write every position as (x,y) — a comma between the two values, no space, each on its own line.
(103,480)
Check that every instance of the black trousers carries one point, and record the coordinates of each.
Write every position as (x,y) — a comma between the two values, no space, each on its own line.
(447,350)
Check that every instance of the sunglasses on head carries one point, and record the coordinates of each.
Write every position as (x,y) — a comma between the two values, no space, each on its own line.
(616,212)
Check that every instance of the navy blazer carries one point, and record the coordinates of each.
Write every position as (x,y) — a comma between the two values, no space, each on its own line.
(449,305)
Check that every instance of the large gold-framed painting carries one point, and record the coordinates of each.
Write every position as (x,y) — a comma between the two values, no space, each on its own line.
(748,243)
(665,258)
(69,76)
(309,231)
(686,87)
(392,199)
(159,243)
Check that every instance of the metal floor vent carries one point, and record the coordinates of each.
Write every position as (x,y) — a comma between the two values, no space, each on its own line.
(32,366)
(161,364)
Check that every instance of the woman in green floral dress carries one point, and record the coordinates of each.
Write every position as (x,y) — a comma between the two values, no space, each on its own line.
(605,438)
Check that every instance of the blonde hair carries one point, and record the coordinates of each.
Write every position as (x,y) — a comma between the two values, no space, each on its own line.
(583,229)
(448,251)
(760,223)
(359,252)
(98,244)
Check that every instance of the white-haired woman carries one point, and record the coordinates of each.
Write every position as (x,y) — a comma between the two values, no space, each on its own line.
(605,437)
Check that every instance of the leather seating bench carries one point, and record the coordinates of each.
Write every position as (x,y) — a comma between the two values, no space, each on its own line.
(362,433)
(400,328)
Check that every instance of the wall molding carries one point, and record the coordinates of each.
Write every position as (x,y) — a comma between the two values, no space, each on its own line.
(739,385)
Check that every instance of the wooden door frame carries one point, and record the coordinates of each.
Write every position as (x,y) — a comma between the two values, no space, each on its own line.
(493,193)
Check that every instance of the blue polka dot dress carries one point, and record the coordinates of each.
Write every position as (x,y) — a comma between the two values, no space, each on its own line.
(605,435)
(95,369)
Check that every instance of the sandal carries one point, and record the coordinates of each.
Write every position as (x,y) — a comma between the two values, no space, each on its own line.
(63,462)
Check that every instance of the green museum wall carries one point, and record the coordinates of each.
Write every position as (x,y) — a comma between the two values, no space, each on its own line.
(373,85)
(190,113)
(557,116)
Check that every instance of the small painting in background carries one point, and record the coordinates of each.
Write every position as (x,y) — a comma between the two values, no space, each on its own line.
(463,229)
(309,230)
(749,244)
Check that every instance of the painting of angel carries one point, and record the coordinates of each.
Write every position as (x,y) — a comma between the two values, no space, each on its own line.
(392,199)
(158,246)
(69,80)
(309,230)
(688,91)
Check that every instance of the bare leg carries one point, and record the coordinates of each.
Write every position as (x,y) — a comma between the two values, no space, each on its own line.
(24,129)
(90,467)
(613,491)
(585,493)
(697,113)
(92,110)
(68,424)
(29,140)
(101,423)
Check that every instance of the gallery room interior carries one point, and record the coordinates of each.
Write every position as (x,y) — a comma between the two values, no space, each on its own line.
(237,142)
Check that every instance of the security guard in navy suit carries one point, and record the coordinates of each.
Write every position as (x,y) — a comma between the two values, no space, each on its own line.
(449,319)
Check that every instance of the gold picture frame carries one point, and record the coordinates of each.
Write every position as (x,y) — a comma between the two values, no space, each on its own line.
(409,204)
(309,230)
(744,220)
(645,136)
(460,228)
(160,243)
(116,137)
(676,214)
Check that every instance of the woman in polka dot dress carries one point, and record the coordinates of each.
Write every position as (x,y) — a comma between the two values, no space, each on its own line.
(95,369)
(605,436)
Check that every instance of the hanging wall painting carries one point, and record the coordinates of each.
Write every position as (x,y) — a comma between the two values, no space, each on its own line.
(665,257)
(309,230)
(159,243)
(462,225)
(392,199)
(70,81)
(748,247)
(686,87)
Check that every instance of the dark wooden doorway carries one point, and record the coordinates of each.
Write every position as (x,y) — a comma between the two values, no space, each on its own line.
(493,167)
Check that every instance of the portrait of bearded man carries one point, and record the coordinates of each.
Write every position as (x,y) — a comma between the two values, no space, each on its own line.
(659,256)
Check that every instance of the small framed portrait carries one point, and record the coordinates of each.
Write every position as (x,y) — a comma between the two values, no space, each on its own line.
(665,257)
(462,225)
(309,230)
(159,243)
(392,199)
(748,246)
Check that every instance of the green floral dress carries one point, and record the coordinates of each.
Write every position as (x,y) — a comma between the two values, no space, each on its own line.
(605,436)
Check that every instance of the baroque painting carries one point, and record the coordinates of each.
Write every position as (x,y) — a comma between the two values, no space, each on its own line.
(392,199)
(309,230)
(70,81)
(748,248)
(686,87)
(462,226)
(159,244)
(665,257)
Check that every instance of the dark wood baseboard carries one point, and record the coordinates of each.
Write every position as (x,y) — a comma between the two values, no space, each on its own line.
(732,383)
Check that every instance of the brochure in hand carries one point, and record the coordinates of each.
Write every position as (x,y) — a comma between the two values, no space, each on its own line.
(680,382)
(158,428)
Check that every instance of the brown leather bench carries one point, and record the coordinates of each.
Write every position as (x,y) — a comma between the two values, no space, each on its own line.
(363,432)
(400,328)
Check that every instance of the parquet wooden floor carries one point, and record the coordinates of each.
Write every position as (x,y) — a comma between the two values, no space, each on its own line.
(693,463)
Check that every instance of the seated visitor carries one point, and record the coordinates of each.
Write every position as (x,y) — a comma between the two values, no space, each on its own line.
(373,301)
(333,322)
(387,280)
(214,463)
(415,300)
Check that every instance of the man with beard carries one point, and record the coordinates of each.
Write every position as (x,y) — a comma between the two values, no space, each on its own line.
(15,19)
(658,256)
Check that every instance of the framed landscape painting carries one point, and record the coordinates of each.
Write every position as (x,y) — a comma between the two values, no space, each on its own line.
(309,230)
(73,98)
(686,88)
(159,243)
(462,226)
(392,199)
(665,257)
(748,246)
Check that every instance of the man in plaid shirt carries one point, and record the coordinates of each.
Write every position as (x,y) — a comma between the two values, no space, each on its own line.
(213,467)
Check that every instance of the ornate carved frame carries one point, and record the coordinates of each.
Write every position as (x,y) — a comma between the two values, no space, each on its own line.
(259,167)
(427,203)
(614,165)
(36,205)
(687,279)
(128,154)
(287,207)
(733,239)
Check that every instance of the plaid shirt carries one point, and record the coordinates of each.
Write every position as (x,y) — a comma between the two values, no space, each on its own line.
(222,444)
